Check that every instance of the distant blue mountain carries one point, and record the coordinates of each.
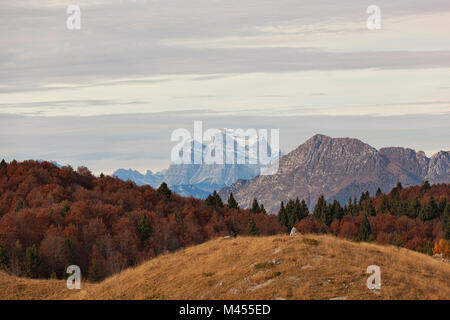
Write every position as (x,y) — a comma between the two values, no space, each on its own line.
(198,180)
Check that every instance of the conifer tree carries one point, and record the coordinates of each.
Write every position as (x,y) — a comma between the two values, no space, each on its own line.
(214,200)
(282,216)
(321,211)
(263,210)
(217,200)
(144,228)
(383,207)
(93,271)
(446,222)
(370,210)
(164,190)
(232,203)
(4,261)
(255,206)
(429,211)
(365,231)
(3,164)
(252,229)
(379,192)
(414,208)
(426,186)
(19,205)
(32,262)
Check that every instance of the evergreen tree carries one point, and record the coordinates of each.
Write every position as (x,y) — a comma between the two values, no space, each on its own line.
(32,262)
(395,190)
(355,208)
(4,261)
(252,229)
(3,164)
(214,200)
(263,210)
(365,232)
(370,210)
(144,228)
(429,211)
(414,208)
(335,211)
(426,186)
(217,200)
(383,207)
(321,211)
(379,192)
(19,205)
(304,210)
(71,251)
(164,190)
(282,216)
(93,271)
(232,203)
(446,222)
(442,205)
(255,206)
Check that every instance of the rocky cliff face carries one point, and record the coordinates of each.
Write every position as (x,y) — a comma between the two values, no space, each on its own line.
(339,168)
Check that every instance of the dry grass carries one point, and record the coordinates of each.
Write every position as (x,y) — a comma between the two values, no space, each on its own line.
(244,268)
(14,288)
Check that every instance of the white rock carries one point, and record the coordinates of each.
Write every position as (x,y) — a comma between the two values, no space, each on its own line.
(294,232)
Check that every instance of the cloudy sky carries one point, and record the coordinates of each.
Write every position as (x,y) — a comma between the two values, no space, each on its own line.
(109,95)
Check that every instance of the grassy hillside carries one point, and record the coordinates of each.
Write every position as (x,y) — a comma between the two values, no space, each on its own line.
(243,268)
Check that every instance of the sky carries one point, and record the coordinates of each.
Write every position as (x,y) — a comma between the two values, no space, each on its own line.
(109,95)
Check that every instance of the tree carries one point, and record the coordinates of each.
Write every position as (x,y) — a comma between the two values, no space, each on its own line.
(446,222)
(413,208)
(383,207)
(429,211)
(263,210)
(32,262)
(164,190)
(214,200)
(379,192)
(3,164)
(320,211)
(144,228)
(255,206)
(370,210)
(364,196)
(282,216)
(365,231)
(232,203)
(252,229)
(19,205)
(93,271)
(4,261)
(426,186)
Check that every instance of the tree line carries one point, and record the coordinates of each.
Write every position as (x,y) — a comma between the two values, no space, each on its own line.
(415,217)
(53,217)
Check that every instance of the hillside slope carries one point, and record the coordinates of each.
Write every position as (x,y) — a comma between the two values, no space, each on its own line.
(242,268)
(339,168)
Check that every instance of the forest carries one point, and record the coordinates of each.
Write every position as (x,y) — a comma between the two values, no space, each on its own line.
(53,217)
(417,218)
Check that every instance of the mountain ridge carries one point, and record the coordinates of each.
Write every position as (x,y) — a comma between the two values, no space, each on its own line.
(339,168)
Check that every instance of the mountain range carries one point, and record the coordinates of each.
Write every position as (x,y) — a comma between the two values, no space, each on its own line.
(339,168)
(200,180)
